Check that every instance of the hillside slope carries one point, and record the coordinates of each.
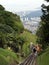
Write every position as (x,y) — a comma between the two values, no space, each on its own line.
(44,58)
(29,38)
(7,57)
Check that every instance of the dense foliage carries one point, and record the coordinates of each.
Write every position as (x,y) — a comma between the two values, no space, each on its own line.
(43,30)
(13,36)
(10,29)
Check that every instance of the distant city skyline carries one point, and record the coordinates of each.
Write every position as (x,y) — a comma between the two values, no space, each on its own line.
(21,5)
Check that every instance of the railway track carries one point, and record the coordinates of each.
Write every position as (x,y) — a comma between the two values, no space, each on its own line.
(29,60)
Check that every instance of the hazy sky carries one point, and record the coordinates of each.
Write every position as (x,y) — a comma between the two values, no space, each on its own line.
(21,5)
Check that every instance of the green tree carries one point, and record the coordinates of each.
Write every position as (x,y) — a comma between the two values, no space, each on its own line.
(21,40)
(43,30)
(10,28)
(2,8)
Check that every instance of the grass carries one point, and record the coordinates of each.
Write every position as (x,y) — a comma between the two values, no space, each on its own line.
(3,60)
(7,57)
(44,58)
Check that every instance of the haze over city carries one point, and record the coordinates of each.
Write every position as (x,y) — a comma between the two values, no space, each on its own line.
(22,5)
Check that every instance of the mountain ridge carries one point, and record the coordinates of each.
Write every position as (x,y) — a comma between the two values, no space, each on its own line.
(36,13)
